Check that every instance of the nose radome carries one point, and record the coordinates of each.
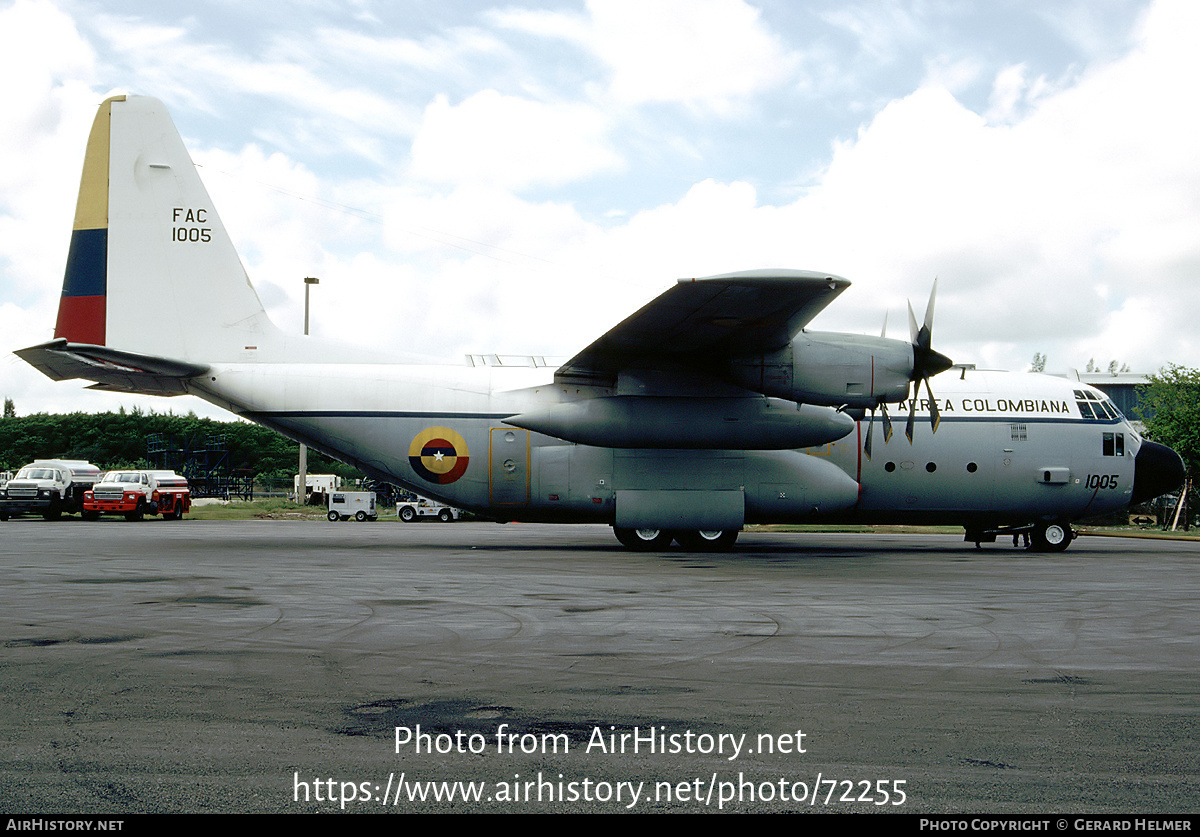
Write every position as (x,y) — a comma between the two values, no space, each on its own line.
(1157,470)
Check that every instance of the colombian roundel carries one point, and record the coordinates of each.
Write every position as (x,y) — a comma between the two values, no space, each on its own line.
(438,454)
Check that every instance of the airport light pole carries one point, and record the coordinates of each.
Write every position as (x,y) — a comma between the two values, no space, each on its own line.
(302,488)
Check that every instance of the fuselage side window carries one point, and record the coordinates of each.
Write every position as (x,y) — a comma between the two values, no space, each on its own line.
(1114,444)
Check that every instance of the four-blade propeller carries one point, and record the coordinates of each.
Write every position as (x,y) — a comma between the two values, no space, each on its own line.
(927,362)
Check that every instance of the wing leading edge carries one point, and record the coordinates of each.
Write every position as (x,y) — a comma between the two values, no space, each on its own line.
(706,319)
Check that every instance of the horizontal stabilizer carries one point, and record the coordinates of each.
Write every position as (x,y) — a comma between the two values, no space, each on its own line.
(111,369)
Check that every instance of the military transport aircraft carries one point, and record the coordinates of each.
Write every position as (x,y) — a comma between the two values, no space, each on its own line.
(710,408)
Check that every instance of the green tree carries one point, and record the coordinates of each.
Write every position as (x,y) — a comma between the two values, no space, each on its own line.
(119,440)
(1170,410)
(10,411)
(1039,362)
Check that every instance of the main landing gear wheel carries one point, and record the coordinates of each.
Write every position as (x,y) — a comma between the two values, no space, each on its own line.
(1051,536)
(643,540)
(706,540)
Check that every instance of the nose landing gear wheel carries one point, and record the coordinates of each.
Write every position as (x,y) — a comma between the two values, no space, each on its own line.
(1051,536)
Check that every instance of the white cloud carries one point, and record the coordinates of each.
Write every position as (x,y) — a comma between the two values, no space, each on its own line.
(880,30)
(444,53)
(48,113)
(41,53)
(279,76)
(710,55)
(511,142)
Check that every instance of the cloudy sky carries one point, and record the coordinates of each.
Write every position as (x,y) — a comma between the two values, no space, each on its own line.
(518,177)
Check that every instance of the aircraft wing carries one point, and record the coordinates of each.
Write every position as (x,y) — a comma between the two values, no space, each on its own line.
(110,369)
(713,318)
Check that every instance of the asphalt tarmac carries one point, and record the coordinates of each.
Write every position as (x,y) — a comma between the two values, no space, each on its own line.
(268,666)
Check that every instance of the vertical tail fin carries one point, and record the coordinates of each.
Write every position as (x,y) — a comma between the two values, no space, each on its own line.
(151,269)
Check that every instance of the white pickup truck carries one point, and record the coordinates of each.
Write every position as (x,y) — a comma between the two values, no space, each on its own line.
(48,487)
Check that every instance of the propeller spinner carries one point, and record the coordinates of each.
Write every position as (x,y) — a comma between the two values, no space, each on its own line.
(927,362)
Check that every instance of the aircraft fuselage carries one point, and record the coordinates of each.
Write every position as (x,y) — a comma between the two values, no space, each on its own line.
(1011,447)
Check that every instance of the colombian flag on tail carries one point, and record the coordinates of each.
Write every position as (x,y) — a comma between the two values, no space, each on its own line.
(83,309)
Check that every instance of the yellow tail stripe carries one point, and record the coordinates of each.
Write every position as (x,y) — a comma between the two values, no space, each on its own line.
(91,213)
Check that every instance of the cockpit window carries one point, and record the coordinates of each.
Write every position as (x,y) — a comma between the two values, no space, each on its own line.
(1096,406)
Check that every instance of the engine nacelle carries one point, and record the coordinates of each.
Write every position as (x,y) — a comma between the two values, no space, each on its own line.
(645,421)
(831,369)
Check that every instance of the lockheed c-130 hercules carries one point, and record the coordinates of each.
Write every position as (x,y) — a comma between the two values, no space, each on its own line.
(710,408)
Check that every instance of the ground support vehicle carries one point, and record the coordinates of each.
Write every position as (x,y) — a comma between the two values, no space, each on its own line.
(138,493)
(49,487)
(416,508)
(360,505)
(318,488)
